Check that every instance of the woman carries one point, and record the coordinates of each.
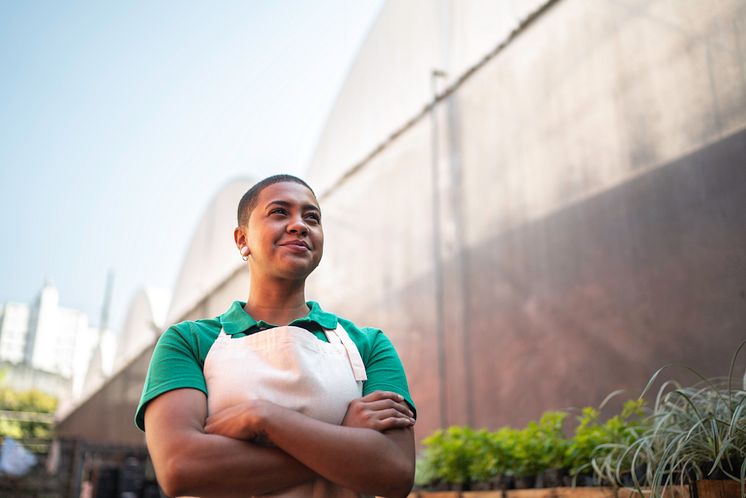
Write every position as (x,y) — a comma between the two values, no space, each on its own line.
(301,402)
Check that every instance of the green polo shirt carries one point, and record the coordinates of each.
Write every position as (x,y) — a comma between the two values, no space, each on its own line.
(179,356)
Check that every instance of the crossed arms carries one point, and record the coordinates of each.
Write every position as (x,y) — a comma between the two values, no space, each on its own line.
(372,452)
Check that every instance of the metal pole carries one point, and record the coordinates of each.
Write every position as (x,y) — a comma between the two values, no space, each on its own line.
(437,254)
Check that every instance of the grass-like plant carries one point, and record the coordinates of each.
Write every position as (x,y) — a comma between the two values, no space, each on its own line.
(694,433)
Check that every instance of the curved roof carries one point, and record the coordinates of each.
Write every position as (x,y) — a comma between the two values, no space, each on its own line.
(145,317)
(386,88)
(212,256)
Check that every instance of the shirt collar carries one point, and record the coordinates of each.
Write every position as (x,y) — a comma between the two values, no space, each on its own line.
(236,321)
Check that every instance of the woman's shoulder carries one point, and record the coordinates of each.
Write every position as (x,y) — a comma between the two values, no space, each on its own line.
(367,339)
(193,332)
(352,328)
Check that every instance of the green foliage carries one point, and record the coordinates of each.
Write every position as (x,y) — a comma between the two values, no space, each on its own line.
(552,437)
(452,453)
(502,454)
(588,436)
(483,464)
(32,401)
(595,441)
(461,455)
(540,446)
(27,401)
(424,472)
(690,433)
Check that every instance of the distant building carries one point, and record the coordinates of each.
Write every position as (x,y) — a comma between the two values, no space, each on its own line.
(53,334)
(47,338)
(21,377)
(13,329)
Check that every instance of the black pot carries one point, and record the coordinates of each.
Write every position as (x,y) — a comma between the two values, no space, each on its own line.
(581,480)
(440,486)
(504,482)
(718,474)
(639,474)
(482,486)
(551,478)
(525,482)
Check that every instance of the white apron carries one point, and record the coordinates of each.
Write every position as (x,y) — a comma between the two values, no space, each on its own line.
(291,367)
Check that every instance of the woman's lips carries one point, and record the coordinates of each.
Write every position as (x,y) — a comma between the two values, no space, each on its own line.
(296,246)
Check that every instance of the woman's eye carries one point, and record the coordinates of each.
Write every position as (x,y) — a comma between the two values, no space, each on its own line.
(278,211)
(313,216)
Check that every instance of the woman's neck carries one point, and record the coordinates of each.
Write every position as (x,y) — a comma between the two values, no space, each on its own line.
(278,303)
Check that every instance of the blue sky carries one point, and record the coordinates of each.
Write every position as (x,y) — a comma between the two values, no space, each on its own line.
(120,120)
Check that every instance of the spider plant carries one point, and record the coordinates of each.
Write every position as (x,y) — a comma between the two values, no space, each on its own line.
(695,432)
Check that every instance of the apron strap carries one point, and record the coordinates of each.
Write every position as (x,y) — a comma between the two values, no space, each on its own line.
(336,336)
(340,335)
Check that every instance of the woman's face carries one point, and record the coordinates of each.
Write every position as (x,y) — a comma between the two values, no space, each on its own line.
(284,233)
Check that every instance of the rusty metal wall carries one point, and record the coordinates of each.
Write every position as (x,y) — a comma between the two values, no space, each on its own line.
(591,206)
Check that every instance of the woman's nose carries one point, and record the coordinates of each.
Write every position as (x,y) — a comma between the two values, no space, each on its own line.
(297,225)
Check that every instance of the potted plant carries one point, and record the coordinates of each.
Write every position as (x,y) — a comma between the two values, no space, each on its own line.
(487,460)
(589,434)
(695,433)
(449,457)
(553,462)
(539,447)
(503,452)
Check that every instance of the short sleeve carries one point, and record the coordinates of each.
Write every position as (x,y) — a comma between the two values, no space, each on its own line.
(384,369)
(174,365)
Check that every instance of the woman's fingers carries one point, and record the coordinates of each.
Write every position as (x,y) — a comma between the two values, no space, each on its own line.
(379,395)
(395,423)
(388,396)
(392,414)
(387,404)
(379,410)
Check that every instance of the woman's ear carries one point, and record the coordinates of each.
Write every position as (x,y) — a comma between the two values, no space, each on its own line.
(239,236)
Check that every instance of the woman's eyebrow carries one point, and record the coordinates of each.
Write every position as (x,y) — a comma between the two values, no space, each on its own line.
(279,203)
(304,207)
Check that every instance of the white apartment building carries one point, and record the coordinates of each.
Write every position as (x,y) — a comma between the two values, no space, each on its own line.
(14,319)
(46,336)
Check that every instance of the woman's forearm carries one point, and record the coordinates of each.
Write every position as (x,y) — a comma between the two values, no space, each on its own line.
(190,462)
(215,466)
(365,460)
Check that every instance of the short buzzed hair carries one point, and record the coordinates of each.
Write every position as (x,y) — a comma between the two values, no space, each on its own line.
(248,202)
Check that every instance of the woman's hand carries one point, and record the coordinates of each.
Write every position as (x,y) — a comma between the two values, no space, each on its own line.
(380,411)
(243,421)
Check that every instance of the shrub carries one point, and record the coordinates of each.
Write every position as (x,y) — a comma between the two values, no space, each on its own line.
(451,453)
(540,446)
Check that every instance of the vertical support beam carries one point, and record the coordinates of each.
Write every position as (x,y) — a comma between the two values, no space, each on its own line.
(437,255)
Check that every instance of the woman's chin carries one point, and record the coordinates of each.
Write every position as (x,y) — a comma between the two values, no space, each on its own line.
(296,272)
